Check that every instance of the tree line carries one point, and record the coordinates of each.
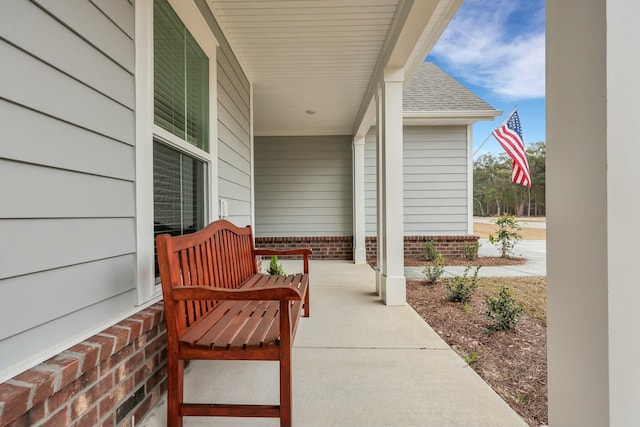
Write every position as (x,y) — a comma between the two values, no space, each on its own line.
(494,193)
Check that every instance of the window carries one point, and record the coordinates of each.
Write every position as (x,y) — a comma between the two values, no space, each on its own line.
(181,79)
(181,108)
(178,192)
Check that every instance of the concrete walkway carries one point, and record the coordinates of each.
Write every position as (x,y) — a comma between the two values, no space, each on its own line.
(535,222)
(356,362)
(535,251)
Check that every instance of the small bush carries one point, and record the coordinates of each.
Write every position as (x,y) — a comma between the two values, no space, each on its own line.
(507,234)
(461,288)
(503,311)
(433,272)
(275,269)
(470,251)
(429,250)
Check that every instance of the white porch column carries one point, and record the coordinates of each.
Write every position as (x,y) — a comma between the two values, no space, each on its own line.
(593,183)
(393,290)
(359,248)
(380,233)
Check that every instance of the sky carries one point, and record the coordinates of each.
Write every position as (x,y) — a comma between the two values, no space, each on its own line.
(496,49)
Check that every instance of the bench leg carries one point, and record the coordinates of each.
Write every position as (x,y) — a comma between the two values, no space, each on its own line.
(285,390)
(175,387)
(306,304)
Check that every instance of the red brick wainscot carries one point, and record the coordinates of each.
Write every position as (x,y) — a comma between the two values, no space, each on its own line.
(330,247)
(449,246)
(111,379)
(341,247)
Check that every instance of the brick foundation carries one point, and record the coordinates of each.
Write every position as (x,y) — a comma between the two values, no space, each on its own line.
(449,246)
(111,379)
(341,247)
(331,247)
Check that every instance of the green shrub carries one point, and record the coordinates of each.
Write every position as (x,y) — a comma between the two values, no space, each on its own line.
(433,272)
(503,311)
(470,251)
(507,235)
(461,288)
(429,250)
(275,269)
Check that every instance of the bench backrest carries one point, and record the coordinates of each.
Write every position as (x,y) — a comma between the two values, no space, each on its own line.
(220,255)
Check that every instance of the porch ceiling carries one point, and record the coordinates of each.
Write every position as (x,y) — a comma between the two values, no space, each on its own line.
(324,55)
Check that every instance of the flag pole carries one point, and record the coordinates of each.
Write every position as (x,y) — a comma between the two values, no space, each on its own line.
(515,107)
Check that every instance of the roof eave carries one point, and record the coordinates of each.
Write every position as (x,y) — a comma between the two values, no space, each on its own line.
(417,27)
(456,117)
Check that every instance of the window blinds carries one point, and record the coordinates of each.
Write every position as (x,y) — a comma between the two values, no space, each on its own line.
(181,79)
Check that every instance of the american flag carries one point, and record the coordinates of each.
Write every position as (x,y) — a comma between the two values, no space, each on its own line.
(509,135)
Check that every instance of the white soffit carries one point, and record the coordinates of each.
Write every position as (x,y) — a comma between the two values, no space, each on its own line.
(301,55)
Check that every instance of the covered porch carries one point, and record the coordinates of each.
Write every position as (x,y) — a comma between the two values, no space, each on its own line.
(355,363)
(77,157)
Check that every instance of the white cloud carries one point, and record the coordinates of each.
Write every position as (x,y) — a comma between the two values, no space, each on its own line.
(486,47)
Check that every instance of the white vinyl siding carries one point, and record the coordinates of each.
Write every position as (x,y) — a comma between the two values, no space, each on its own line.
(67,262)
(303,186)
(435,181)
(234,138)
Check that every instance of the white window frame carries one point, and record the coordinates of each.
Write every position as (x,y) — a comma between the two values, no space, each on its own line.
(146,131)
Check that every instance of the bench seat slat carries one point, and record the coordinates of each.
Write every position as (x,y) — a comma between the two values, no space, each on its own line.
(252,324)
(246,336)
(235,325)
(258,280)
(204,324)
(259,337)
(212,338)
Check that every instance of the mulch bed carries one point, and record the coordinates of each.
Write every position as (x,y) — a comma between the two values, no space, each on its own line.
(513,363)
(479,261)
(483,261)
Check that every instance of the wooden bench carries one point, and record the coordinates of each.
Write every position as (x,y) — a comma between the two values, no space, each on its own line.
(219,307)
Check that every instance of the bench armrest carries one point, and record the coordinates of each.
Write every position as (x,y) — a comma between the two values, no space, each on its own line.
(305,252)
(276,293)
(301,251)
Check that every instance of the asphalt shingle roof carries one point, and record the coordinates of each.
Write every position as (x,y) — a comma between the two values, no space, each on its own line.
(432,89)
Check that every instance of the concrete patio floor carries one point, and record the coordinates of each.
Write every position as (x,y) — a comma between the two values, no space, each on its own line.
(356,362)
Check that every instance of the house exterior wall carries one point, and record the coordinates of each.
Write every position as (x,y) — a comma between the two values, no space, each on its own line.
(435,181)
(448,246)
(303,186)
(234,138)
(67,216)
(234,150)
(323,247)
(68,212)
